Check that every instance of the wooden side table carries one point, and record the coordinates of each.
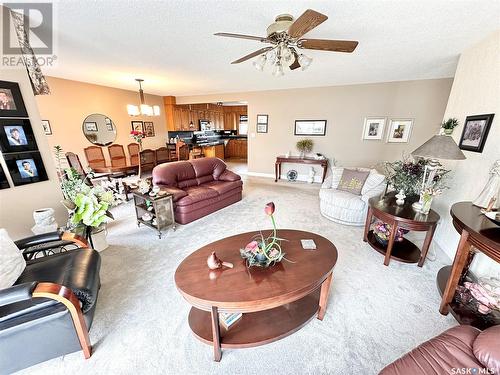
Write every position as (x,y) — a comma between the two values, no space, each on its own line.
(298,160)
(477,233)
(404,217)
(162,210)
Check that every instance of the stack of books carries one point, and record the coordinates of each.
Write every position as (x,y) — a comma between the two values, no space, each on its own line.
(229,319)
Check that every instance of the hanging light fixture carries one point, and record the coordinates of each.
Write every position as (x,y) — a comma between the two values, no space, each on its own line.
(280,57)
(143,109)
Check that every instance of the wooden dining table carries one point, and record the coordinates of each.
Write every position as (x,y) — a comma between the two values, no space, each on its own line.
(118,169)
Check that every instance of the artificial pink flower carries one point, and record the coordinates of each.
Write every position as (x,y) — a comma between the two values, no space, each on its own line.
(273,253)
(269,208)
(252,246)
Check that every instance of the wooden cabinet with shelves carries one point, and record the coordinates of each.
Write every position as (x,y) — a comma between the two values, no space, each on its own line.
(236,148)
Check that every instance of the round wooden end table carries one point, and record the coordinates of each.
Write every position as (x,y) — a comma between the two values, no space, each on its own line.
(275,301)
(405,217)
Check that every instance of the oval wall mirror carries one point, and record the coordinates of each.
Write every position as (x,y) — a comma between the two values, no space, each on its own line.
(99,129)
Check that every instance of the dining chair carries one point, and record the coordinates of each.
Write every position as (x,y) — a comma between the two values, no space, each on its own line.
(162,155)
(147,160)
(196,153)
(117,155)
(133,151)
(172,151)
(95,157)
(74,163)
(182,150)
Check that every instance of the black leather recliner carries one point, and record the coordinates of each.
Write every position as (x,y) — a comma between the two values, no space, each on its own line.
(49,310)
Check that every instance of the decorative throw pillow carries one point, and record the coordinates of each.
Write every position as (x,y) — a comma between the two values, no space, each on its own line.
(12,263)
(352,181)
(486,348)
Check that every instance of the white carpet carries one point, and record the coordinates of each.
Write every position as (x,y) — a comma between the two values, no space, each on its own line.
(375,313)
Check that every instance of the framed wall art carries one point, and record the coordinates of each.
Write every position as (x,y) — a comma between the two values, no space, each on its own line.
(475,132)
(11,100)
(137,126)
(261,128)
(4,183)
(16,135)
(46,127)
(399,130)
(25,167)
(373,128)
(91,126)
(149,129)
(262,119)
(310,127)
(109,124)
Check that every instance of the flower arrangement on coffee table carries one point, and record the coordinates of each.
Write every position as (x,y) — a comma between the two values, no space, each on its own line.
(264,251)
(382,232)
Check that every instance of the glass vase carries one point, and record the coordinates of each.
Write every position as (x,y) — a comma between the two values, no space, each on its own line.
(426,204)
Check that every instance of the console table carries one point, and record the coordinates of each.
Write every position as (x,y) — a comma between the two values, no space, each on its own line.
(477,231)
(403,216)
(275,301)
(298,160)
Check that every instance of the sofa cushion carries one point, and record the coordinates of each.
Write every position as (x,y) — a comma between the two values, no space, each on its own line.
(352,181)
(336,176)
(208,167)
(170,174)
(196,194)
(487,348)
(222,187)
(343,199)
(451,349)
(76,269)
(228,175)
(373,180)
(12,262)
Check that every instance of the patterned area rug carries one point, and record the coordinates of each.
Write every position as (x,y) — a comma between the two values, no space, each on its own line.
(375,313)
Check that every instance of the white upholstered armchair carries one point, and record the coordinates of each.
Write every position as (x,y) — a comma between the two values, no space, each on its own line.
(344,207)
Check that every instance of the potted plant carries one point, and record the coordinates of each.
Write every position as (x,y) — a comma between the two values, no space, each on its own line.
(304,146)
(264,251)
(449,125)
(405,176)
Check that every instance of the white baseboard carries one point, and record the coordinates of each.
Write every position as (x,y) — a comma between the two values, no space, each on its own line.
(300,177)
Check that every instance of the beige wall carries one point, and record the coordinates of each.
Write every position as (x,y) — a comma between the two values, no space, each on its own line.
(475,91)
(71,101)
(18,203)
(344,108)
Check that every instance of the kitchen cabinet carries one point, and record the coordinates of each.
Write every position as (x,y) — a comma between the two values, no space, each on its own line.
(237,148)
(216,151)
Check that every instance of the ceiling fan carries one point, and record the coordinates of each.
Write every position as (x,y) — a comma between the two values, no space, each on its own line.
(285,37)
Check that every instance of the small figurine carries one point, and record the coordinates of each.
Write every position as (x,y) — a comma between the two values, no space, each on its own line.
(214,263)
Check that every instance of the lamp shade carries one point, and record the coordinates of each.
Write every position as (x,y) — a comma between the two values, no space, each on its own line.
(440,147)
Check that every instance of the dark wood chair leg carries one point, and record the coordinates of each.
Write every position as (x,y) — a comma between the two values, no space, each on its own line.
(216,334)
(323,297)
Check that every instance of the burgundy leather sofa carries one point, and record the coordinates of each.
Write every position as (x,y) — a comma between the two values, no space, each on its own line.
(199,186)
(459,350)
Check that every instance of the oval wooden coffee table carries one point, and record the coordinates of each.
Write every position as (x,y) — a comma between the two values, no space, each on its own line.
(275,301)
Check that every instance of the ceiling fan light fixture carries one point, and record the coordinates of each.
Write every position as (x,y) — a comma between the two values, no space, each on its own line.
(260,62)
(304,61)
(278,70)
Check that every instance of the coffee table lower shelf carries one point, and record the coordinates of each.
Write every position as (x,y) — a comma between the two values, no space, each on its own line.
(404,251)
(258,328)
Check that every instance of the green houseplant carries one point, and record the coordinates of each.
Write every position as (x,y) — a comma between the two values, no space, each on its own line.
(449,125)
(304,146)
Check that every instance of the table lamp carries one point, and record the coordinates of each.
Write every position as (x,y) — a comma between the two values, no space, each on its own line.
(438,147)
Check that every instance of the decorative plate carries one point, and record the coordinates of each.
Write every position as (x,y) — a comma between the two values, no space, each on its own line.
(292,175)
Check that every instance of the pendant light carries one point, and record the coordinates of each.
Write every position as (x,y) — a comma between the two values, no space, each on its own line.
(143,109)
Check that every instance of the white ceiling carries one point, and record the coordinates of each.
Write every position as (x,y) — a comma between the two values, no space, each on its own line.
(171,44)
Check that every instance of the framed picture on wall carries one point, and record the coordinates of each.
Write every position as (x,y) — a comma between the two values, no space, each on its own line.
(109,124)
(476,129)
(137,126)
(399,130)
(4,183)
(261,128)
(46,127)
(25,167)
(310,127)
(262,119)
(374,128)
(149,129)
(11,100)
(16,135)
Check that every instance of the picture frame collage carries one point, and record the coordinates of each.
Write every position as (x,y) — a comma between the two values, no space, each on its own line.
(17,140)
(399,129)
(146,127)
(262,123)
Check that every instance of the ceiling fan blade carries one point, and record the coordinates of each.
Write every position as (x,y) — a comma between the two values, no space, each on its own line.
(241,36)
(328,45)
(305,23)
(253,54)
